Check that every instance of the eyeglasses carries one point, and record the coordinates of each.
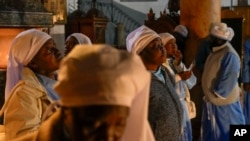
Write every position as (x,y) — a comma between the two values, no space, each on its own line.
(158,47)
(49,51)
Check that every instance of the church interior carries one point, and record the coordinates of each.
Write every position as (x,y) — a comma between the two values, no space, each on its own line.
(110,21)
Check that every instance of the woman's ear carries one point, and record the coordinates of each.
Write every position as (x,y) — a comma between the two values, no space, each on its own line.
(141,53)
(32,64)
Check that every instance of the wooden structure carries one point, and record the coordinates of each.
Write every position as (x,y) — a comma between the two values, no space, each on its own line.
(93,27)
(236,22)
(240,12)
(167,21)
(163,24)
(93,24)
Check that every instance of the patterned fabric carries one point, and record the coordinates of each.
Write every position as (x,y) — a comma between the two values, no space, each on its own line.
(165,111)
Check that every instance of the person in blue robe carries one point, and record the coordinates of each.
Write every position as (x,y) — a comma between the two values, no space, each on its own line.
(222,105)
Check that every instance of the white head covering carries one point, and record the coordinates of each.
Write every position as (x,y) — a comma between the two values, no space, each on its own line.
(182,30)
(81,38)
(222,31)
(165,37)
(107,77)
(138,39)
(23,48)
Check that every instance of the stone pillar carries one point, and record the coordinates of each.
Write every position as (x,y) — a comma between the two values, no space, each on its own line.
(197,16)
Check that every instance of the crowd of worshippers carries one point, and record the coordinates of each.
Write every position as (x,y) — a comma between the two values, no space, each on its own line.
(95,92)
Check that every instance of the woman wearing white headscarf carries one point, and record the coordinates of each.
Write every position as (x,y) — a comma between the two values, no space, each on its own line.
(222,106)
(109,103)
(74,39)
(180,33)
(165,111)
(184,78)
(32,54)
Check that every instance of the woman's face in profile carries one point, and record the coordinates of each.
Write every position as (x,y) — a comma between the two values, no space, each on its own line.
(171,48)
(154,53)
(70,44)
(96,123)
(47,58)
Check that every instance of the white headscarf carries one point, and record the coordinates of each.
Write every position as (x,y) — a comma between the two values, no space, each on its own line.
(138,39)
(81,38)
(222,31)
(166,37)
(107,77)
(23,48)
(182,30)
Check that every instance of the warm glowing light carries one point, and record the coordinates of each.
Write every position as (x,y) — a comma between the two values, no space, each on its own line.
(6,36)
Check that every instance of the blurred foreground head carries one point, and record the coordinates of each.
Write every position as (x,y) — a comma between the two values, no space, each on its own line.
(104,93)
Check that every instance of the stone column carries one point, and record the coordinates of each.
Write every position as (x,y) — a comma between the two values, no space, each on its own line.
(197,16)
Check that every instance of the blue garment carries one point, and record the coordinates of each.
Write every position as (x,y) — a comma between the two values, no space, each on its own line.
(246,79)
(202,54)
(228,76)
(159,75)
(216,119)
(48,85)
(187,127)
